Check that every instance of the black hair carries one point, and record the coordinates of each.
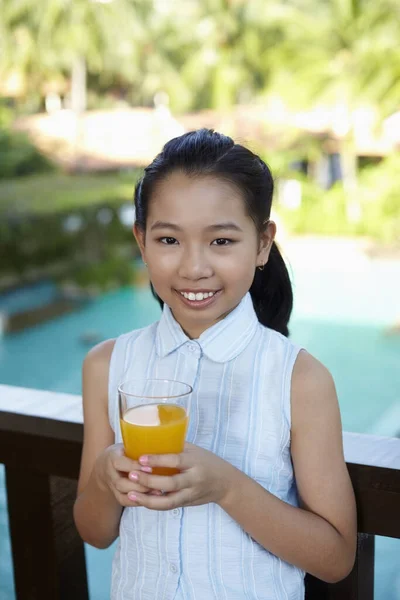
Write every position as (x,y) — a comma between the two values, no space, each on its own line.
(206,152)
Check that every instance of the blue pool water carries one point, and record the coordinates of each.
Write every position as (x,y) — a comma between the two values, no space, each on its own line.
(28,297)
(341,316)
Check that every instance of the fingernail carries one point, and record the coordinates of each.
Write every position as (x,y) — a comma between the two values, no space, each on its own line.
(132,496)
(144,460)
(146,469)
(133,476)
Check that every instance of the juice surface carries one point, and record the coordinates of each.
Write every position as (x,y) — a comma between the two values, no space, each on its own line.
(154,429)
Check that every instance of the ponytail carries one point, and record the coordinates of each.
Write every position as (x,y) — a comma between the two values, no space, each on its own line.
(272,295)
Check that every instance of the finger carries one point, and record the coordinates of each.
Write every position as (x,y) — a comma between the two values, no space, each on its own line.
(166,502)
(173,483)
(124,464)
(173,461)
(116,478)
(123,485)
(124,500)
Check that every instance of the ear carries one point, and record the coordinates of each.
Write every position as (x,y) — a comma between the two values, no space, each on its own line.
(140,238)
(266,239)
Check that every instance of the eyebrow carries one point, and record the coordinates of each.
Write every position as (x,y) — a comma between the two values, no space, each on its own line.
(217,227)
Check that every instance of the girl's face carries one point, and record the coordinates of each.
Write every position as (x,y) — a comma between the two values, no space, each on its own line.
(201,248)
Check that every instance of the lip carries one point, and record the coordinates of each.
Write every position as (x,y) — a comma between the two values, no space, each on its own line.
(199,291)
(198,304)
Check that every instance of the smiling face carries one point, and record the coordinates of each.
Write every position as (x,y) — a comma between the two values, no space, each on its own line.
(201,248)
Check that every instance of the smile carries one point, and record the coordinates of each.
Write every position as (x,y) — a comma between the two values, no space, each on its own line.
(197,295)
(198,300)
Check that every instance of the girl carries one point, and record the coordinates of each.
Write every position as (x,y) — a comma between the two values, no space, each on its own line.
(263,494)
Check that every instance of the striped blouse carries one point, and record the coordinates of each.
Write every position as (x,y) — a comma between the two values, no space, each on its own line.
(240,372)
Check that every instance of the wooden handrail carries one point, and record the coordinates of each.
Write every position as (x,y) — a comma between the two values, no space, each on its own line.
(42,460)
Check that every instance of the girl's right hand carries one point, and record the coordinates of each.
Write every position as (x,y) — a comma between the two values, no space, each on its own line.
(112,469)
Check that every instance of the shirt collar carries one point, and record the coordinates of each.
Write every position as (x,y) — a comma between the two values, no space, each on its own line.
(222,342)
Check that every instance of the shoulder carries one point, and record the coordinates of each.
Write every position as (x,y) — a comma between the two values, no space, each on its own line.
(101,353)
(98,359)
(310,374)
(99,356)
(313,392)
(95,371)
(97,431)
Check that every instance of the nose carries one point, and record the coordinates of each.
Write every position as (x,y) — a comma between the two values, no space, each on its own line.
(194,265)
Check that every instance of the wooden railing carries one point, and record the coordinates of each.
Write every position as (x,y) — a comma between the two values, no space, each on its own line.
(42,457)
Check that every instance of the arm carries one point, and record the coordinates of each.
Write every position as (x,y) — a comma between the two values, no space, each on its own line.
(320,536)
(105,476)
(96,511)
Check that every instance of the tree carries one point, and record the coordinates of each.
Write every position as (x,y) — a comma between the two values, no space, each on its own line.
(45,38)
(232,55)
(342,53)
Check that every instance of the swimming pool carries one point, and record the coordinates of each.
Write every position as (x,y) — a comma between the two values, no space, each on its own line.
(341,315)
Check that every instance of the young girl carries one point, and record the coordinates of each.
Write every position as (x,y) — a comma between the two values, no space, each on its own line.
(263,494)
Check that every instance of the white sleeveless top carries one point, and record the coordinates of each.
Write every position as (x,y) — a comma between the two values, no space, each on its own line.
(240,372)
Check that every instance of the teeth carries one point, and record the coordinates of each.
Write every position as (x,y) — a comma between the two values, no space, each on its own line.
(198,296)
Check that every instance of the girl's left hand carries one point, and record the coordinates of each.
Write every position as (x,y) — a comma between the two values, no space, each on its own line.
(204,477)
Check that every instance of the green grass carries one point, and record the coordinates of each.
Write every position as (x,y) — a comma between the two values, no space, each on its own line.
(51,193)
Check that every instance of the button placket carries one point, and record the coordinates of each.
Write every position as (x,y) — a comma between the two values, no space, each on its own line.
(192,363)
(193,349)
(172,563)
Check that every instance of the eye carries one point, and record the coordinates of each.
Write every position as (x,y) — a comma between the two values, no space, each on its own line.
(222,242)
(168,241)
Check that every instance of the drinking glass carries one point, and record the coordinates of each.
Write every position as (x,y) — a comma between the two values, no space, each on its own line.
(154,418)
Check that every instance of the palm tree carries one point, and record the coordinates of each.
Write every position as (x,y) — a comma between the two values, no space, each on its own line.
(233,44)
(45,38)
(17,44)
(343,53)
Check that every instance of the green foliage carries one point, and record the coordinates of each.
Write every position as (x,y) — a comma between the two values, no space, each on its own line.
(53,242)
(112,272)
(57,192)
(203,54)
(321,212)
(325,211)
(19,157)
(339,52)
(380,200)
(35,236)
(210,53)
(6,116)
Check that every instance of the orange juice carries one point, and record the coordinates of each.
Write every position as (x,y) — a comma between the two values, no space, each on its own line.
(154,429)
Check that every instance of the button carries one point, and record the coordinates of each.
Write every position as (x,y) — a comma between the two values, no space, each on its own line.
(176,512)
(173,568)
(191,347)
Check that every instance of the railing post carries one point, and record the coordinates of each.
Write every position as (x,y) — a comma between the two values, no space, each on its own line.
(48,555)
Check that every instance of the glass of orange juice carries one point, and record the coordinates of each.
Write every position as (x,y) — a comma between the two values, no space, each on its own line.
(154,418)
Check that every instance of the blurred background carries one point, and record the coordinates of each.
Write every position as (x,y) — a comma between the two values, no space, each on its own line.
(90,90)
